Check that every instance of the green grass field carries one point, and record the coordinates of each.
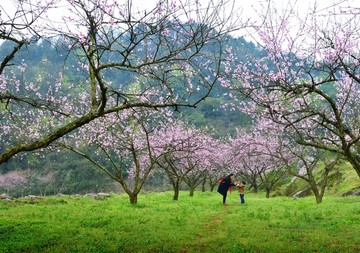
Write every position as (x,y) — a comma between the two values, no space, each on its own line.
(191,224)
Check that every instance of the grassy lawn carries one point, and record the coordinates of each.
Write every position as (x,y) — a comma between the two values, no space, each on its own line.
(191,224)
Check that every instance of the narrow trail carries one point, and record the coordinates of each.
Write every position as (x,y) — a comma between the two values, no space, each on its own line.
(212,233)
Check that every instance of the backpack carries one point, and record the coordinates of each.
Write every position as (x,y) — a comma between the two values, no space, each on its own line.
(220,180)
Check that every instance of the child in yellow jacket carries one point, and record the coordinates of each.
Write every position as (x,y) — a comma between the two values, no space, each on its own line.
(241,190)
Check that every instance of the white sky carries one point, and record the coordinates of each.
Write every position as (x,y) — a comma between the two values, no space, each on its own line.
(249,7)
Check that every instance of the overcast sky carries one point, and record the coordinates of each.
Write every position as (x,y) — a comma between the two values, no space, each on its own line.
(249,7)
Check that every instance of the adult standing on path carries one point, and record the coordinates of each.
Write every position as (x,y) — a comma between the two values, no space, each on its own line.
(224,186)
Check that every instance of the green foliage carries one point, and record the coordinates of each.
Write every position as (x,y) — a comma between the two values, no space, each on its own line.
(58,172)
(192,224)
(210,113)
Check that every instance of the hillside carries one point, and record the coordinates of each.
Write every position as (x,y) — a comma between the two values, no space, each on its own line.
(342,181)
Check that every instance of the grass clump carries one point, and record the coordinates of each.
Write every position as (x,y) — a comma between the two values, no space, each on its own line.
(191,224)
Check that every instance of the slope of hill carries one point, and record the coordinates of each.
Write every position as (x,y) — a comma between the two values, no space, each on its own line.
(342,181)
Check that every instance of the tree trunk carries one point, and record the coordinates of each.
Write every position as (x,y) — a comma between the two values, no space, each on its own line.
(316,192)
(318,199)
(255,186)
(267,193)
(133,198)
(203,185)
(192,190)
(176,194)
(354,161)
(176,188)
(357,168)
(318,196)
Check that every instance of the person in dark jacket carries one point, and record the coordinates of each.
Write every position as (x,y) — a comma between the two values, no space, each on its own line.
(224,187)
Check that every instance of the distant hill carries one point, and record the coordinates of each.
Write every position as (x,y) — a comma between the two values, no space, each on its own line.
(47,57)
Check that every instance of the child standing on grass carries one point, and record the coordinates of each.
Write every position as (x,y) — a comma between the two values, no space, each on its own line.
(241,190)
